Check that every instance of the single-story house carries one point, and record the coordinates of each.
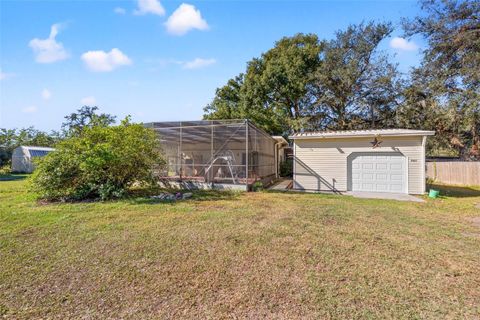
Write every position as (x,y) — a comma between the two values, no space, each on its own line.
(387,160)
(23,156)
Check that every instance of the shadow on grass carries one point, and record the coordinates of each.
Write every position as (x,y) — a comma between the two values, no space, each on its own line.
(455,191)
(142,196)
(300,193)
(12,177)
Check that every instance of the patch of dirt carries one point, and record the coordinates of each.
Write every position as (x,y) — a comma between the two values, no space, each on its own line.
(471,235)
(477,205)
(475,221)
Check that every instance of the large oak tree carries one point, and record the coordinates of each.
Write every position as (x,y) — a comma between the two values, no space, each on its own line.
(274,90)
(356,86)
(306,83)
(445,89)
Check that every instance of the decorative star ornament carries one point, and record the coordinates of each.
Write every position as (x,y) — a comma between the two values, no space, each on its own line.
(376,143)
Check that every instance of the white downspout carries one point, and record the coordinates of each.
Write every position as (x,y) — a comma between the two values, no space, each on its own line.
(294,164)
(424,168)
(277,167)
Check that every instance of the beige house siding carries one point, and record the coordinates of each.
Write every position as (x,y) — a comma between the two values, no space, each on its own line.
(322,164)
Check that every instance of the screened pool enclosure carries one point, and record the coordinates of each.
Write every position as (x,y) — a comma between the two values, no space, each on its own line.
(216,153)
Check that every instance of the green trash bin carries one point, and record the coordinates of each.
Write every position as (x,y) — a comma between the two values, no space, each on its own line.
(433,193)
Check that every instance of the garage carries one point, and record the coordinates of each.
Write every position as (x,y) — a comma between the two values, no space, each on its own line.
(378,172)
(383,160)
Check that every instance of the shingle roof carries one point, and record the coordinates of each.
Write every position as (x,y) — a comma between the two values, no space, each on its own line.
(361,133)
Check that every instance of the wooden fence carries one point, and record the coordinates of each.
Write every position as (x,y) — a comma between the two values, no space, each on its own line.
(454,172)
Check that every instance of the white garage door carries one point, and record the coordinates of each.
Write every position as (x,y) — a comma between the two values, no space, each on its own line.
(379,172)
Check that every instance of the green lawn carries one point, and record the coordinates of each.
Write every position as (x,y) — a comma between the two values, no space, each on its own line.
(250,255)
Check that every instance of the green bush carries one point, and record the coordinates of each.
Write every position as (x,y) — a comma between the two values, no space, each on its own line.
(6,168)
(286,168)
(101,162)
(257,186)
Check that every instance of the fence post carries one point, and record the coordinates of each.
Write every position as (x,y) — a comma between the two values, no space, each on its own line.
(246,152)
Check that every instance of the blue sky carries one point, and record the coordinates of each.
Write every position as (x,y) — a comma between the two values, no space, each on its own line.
(155,60)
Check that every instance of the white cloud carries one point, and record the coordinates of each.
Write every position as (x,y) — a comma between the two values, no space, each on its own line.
(403,44)
(30,109)
(101,61)
(119,10)
(48,50)
(88,101)
(198,63)
(149,6)
(46,94)
(184,19)
(5,76)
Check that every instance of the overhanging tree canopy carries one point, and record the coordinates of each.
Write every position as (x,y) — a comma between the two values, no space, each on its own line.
(305,83)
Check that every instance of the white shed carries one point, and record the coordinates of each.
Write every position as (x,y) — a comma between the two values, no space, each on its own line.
(23,156)
(388,160)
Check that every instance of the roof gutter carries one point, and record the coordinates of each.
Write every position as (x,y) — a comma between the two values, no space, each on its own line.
(413,134)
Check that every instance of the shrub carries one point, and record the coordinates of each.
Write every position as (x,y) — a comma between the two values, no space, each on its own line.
(102,162)
(257,186)
(6,168)
(286,168)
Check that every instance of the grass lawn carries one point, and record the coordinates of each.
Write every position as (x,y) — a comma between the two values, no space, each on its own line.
(250,255)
